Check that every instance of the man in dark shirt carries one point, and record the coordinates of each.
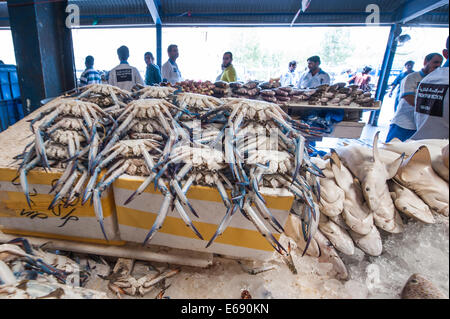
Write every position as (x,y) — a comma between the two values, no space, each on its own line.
(153,74)
(409,66)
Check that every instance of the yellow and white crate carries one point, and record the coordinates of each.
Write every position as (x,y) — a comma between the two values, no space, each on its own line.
(240,239)
(77,223)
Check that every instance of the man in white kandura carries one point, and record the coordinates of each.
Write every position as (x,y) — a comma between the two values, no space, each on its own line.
(170,71)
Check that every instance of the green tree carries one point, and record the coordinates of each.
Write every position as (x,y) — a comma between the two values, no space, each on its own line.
(337,47)
(256,62)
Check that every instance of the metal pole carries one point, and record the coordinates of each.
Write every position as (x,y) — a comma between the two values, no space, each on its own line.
(43,48)
(386,68)
(159,45)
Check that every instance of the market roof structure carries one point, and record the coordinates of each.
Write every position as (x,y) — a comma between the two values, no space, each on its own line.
(253,12)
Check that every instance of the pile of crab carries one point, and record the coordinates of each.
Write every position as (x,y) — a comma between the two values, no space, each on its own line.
(174,140)
(243,148)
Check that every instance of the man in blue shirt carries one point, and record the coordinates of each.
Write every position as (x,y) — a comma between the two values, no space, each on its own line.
(315,77)
(90,76)
(409,66)
(153,74)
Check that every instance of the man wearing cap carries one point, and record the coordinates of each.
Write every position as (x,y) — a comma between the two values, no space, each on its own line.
(315,77)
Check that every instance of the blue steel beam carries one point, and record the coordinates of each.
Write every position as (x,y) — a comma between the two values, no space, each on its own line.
(154,11)
(159,45)
(386,68)
(154,6)
(416,8)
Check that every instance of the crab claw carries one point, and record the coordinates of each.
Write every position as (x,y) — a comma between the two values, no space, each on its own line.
(23,242)
(163,211)
(23,178)
(40,149)
(299,155)
(315,170)
(262,228)
(223,224)
(186,218)
(90,186)
(141,188)
(176,187)
(255,188)
(309,225)
(64,191)
(308,242)
(265,211)
(24,182)
(99,211)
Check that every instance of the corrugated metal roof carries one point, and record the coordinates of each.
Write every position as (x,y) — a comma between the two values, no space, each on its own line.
(4,21)
(113,12)
(239,12)
(437,16)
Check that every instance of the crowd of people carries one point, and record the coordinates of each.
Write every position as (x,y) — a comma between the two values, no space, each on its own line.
(126,76)
(421,103)
(421,109)
(314,76)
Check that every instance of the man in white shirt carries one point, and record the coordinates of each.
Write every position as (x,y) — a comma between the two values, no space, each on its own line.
(432,111)
(403,125)
(290,78)
(170,71)
(315,77)
(124,76)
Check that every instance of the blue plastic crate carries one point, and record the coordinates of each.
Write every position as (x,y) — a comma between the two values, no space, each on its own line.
(11,110)
(19,109)
(5,86)
(14,82)
(4,119)
(10,113)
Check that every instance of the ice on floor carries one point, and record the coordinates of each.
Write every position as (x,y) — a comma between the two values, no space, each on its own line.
(420,249)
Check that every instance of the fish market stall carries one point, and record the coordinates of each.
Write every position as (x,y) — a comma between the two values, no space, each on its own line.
(306,105)
(215,199)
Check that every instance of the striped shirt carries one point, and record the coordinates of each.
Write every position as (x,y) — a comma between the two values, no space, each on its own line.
(90,76)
